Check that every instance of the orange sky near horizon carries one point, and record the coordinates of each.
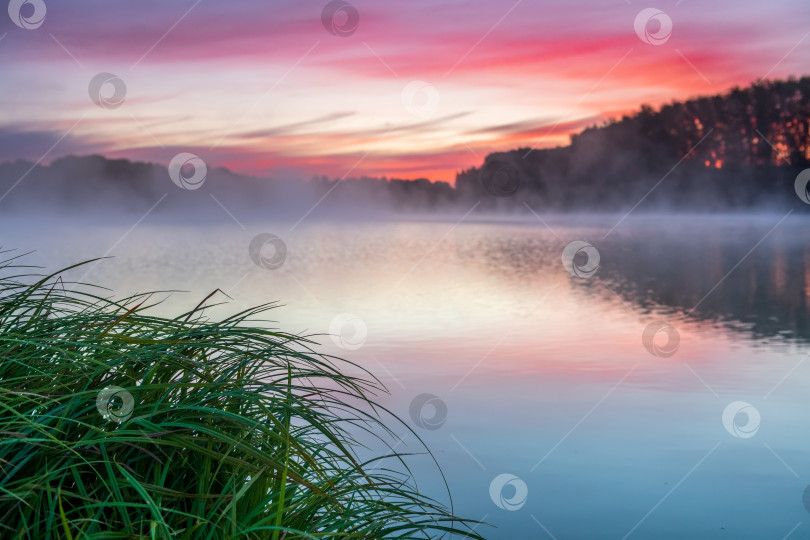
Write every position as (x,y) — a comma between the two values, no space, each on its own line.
(347,89)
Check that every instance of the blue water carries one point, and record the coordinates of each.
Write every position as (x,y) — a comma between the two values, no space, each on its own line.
(532,372)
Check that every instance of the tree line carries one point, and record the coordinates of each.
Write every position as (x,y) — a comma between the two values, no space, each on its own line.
(742,148)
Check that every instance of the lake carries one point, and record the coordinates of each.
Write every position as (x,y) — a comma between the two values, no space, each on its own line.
(663,396)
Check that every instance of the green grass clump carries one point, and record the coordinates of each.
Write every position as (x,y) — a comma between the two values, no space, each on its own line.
(118,424)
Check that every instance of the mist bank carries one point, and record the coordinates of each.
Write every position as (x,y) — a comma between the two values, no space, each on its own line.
(94,186)
(740,151)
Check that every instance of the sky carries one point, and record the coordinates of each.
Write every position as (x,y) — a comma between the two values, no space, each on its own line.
(403,89)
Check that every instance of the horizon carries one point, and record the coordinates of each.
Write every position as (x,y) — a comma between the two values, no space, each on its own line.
(385,177)
(450,268)
(406,99)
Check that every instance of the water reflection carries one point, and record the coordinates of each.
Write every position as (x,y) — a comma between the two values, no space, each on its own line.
(720,273)
(517,368)
(702,269)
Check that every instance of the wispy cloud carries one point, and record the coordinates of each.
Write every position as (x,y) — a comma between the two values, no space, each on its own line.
(535,69)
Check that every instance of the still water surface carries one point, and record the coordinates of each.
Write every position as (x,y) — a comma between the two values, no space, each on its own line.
(543,376)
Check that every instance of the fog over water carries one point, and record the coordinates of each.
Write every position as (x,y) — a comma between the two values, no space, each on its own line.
(543,375)
(571,241)
(107,190)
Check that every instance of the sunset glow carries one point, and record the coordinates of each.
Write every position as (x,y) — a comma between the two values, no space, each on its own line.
(274,93)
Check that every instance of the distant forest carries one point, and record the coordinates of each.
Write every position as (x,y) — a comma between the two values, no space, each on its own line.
(739,150)
(743,148)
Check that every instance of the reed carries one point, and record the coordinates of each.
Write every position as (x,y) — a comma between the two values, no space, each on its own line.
(115,423)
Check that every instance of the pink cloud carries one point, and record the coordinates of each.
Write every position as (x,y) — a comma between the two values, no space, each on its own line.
(584,52)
